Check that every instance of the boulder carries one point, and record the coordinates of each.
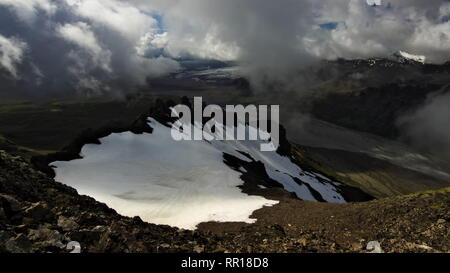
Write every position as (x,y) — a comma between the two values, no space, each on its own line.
(67,224)
(19,244)
(39,211)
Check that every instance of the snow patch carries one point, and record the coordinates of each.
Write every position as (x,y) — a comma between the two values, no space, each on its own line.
(161,180)
(243,170)
(281,169)
(416,58)
(184,183)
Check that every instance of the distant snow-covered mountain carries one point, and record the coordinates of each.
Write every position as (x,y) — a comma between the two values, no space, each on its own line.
(403,56)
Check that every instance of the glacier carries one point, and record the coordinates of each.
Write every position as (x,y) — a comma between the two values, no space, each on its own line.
(182,183)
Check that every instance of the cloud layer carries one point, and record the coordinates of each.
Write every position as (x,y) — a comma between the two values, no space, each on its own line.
(419,27)
(88,46)
(12,51)
(427,128)
(98,46)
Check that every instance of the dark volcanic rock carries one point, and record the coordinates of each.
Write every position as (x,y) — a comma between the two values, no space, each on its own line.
(39,211)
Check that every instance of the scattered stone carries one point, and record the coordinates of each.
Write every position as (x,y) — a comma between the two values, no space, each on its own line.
(220,249)
(19,244)
(249,249)
(27,221)
(9,203)
(47,237)
(2,214)
(67,224)
(99,229)
(38,211)
(357,247)
(199,249)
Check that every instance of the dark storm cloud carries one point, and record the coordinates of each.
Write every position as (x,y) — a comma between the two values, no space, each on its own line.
(97,45)
(87,46)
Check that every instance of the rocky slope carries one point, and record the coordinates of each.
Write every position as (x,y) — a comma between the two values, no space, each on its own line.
(38,214)
(370,95)
(377,177)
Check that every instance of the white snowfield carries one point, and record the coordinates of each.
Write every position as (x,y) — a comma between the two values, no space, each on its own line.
(180,183)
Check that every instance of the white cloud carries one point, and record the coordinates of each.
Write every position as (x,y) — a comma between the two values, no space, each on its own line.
(11,54)
(374,2)
(378,31)
(427,128)
(96,43)
(270,39)
(210,46)
(82,35)
(131,22)
(151,44)
(128,35)
(27,10)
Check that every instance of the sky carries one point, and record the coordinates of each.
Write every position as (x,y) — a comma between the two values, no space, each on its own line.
(101,46)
